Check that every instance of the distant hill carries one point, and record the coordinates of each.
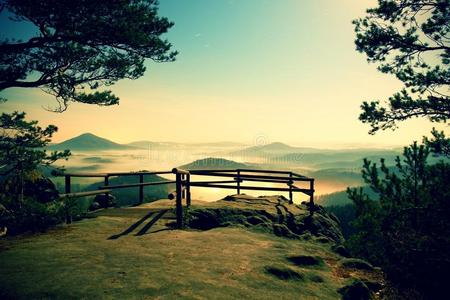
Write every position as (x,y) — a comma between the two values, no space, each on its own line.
(351,158)
(154,145)
(173,145)
(341,198)
(271,149)
(89,142)
(337,175)
(219,144)
(130,196)
(213,163)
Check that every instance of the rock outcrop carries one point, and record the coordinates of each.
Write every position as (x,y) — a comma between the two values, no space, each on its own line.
(267,213)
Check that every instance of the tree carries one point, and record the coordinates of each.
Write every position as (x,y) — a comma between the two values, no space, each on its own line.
(21,144)
(405,228)
(81,46)
(410,39)
(31,201)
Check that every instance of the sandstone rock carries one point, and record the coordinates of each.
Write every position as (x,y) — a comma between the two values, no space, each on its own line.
(264,212)
(356,290)
(105,201)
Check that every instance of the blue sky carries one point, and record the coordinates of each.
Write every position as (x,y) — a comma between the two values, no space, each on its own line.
(282,70)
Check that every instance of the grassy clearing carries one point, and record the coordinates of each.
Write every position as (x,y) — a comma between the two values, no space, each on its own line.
(80,261)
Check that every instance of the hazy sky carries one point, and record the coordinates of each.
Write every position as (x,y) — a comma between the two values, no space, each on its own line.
(252,71)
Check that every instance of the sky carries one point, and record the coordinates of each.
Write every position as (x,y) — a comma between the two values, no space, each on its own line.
(250,71)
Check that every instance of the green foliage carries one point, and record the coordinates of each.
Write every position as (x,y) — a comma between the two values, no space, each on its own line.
(130,196)
(31,216)
(21,144)
(439,143)
(407,230)
(346,215)
(409,39)
(28,199)
(81,46)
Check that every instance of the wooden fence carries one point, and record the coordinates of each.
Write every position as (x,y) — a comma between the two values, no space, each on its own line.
(183,184)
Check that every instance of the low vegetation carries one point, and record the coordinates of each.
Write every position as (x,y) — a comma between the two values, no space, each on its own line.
(135,253)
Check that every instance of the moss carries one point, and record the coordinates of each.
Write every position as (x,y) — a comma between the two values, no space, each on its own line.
(341,250)
(283,230)
(315,278)
(236,263)
(306,260)
(261,213)
(284,273)
(356,263)
(255,220)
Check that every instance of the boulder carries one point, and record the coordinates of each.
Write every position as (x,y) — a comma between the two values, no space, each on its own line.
(105,200)
(356,290)
(42,189)
(94,206)
(273,213)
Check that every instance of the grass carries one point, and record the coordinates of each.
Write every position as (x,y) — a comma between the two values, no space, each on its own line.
(80,261)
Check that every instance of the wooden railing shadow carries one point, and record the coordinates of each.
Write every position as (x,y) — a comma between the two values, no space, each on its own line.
(132,227)
(145,228)
(152,222)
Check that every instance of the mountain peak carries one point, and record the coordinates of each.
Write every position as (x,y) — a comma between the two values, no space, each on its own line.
(90,142)
(87,134)
(278,145)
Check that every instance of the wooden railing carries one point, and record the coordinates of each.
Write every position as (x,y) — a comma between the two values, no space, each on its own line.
(183,184)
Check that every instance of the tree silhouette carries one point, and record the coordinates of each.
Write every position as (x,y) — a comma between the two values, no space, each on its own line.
(405,226)
(410,39)
(81,46)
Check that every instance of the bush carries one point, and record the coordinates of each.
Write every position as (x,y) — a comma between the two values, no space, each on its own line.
(31,216)
(36,210)
(407,229)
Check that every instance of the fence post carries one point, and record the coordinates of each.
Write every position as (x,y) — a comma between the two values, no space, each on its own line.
(106,183)
(179,204)
(67,183)
(67,190)
(311,197)
(290,188)
(238,182)
(188,190)
(183,183)
(141,189)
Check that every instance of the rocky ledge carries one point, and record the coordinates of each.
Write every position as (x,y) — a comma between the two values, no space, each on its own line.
(266,213)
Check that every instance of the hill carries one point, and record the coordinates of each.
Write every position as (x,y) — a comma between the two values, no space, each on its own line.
(173,145)
(134,253)
(130,196)
(341,198)
(271,149)
(89,142)
(154,145)
(346,176)
(213,163)
(352,158)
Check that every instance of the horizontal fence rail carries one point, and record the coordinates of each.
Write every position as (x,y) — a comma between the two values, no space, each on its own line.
(183,184)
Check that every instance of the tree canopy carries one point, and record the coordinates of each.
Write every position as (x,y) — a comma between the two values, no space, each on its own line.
(21,144)
(82,45)
(404,226)
(410,39)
